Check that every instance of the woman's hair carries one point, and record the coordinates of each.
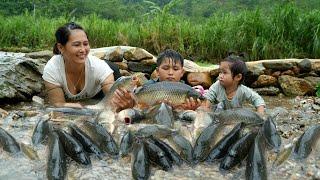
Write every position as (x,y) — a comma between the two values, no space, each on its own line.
(170,54)
(237,66)
(62,35)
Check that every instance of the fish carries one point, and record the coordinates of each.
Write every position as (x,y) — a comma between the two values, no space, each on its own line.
(283,155)
(221,148)
(306,142)
(140,167)
(186,115)
(130,116)
(88,144)
(236,115)
(238,151)
(157,130)
(41,130)
(100,136)
(256,167)
(8,142)
(269,131)
(128,83)
(164,115)
(73,147)
(173,156)
(203,119)
(56,162)
(174,92)
(73,111)
(182,145)
(157,155)
(126,143)
(206,141)
(29,151)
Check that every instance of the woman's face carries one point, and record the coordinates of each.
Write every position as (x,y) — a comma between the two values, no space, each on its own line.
(170,71)
(77,48)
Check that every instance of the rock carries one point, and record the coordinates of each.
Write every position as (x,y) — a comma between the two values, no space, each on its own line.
(199,78)
(305,65)
(293,86)
(190,66)
(265,80)
(288,72)
(46,54)
(20,79)
(296,70)
(99,55)
(124,72)
(276,74)
(122,65)
(149,62)
(137,54)
(277,65)
(268,71)
(313,81)
(154,74)
(268,91)
(138,67)
(115,56)
(256,68)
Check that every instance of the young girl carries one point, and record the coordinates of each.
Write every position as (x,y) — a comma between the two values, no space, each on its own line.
(229,88)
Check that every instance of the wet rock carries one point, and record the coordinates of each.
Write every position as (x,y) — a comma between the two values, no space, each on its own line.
(46,54)
(149,62)
(115,56)
(276,74)
(277,65)
(317,100)
(313,81)
(296,70)
(293,86)
(122,65)
(138,67)
(199,78)
(124,72)
(137,54)
(265,80)
(288,72)
(268,91)
(305,65)
(20,79)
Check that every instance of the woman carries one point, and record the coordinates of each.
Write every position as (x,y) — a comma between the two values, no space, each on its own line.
(71,75)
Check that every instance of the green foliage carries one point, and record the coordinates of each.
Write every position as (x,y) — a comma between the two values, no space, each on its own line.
(318,90)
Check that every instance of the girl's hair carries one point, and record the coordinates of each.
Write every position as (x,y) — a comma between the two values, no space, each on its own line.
(170,54)
(62,35)
(237,66)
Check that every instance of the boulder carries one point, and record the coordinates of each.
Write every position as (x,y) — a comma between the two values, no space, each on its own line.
(288,72)
(276,74)
(256,68)
(149,62)
(116,55)
(313,81)
(122,65)
(293,86)
(199,78)
(265,80)
(277,65)
(139,67)
(268,91)
(137,54)
(305,65)
(20,79)
(124,72)
(46,54)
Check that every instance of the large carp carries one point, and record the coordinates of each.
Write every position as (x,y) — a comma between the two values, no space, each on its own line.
(236,115)
(128,83)
(174,92)
(140,167)
(8,142)
(41,130)
(269,132)
(56,163)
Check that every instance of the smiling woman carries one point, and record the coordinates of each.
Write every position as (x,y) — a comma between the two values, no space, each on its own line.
(71,74)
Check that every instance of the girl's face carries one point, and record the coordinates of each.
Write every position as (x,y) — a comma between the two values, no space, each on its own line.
(225,75)
(170,71)
(77,48)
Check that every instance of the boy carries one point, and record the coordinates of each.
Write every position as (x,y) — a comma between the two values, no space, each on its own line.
(169,68)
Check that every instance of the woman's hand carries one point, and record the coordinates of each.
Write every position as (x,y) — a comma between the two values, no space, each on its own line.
(122,99)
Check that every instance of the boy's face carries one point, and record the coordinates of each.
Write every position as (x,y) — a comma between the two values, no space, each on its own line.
(170,70)
(225,75)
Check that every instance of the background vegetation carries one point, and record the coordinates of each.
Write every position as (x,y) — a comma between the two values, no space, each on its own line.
(199,29)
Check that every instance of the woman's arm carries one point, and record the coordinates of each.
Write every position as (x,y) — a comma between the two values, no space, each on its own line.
(107,83)
(56,98)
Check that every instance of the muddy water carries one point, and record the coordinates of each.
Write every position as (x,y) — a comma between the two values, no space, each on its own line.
(294,116)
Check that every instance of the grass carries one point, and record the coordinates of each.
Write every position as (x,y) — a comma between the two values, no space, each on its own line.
(285,33)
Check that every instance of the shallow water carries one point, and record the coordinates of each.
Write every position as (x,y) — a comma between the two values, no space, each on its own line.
(294,116)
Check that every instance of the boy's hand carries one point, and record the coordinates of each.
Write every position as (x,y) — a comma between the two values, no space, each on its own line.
(122,99)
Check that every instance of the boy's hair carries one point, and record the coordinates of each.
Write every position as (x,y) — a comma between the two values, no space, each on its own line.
(170,54)
(237,66)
